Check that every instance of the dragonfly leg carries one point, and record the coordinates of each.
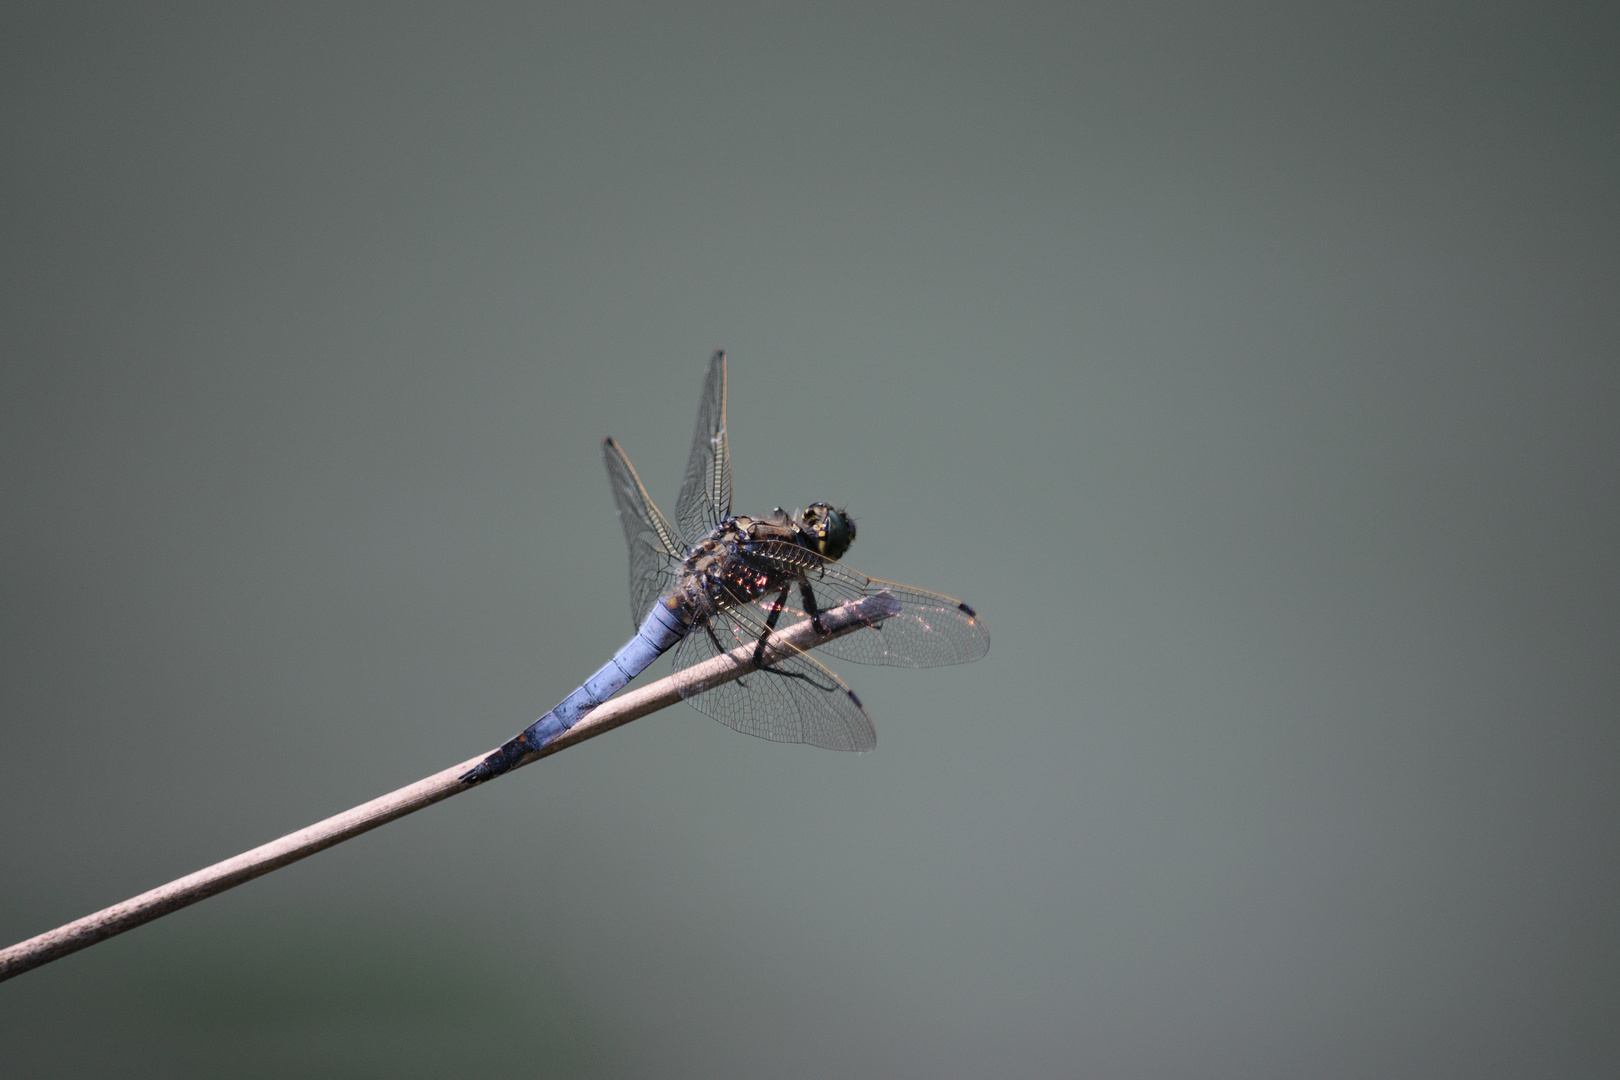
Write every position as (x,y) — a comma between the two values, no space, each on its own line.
(708,628)
(822,686)
(810,608)
(770,625)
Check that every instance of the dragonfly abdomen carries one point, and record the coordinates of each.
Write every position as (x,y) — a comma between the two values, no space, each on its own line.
(664,625)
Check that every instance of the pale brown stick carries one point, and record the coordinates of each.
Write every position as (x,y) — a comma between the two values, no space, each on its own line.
(185,891)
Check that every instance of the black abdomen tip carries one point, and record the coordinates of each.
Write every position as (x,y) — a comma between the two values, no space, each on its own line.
(498,763)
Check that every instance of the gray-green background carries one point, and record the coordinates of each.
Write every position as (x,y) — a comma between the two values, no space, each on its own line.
(1252,368)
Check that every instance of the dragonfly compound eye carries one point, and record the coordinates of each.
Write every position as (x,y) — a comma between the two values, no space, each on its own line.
(832,529)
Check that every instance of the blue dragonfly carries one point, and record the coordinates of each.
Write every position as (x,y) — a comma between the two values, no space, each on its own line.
(712,582)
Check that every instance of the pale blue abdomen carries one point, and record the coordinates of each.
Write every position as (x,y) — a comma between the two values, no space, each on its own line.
(660,630)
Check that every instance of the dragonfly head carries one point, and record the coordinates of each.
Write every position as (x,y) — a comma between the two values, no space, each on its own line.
(830,531)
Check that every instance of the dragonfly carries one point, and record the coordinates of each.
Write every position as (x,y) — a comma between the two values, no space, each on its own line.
(711,582)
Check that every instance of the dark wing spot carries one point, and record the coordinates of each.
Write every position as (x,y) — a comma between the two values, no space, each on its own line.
(853,698)
(970,612)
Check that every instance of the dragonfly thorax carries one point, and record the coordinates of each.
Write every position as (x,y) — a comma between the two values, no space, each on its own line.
(730,565)
(717,573)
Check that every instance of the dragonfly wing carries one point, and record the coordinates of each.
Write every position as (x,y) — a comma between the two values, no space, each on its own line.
(794,700)
(925,630)
(656,549)
(705,499)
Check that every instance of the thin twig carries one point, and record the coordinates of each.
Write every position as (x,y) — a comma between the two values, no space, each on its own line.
(185,891)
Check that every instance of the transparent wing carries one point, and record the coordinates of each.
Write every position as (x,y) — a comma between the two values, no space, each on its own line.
(656,550)
(705,498)
(794,700)
(929,630)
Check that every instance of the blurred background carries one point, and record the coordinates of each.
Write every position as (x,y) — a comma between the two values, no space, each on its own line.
(1251,368)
